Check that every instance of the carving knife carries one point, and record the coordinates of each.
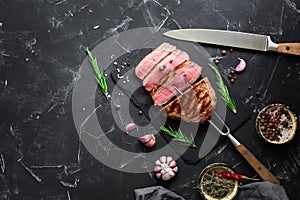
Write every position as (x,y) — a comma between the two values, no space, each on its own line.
(235,39)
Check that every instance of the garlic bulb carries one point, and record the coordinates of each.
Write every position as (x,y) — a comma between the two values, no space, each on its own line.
(148,140)
(165,168)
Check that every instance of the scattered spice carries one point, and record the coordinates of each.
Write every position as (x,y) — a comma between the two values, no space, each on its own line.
(257,93)
(249,87)
(231,50)
(217,61)
(162,67)
(232,80)
(140,112)
(117,106)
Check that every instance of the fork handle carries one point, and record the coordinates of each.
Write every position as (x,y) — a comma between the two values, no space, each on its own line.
(260,169)
(292,48)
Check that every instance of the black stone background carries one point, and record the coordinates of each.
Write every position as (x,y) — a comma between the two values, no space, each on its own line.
(42,45)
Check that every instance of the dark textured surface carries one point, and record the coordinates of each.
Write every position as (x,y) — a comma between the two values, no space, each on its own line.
(42,46)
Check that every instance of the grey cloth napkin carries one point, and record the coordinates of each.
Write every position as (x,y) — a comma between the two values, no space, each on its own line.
(254,191)
(156,193)
(262,190)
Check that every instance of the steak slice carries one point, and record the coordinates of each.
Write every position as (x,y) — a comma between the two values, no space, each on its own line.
(168,64)
(183,75)
(195,105)
(154,57)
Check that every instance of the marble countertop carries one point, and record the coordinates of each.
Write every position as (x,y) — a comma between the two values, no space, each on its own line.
(42,47)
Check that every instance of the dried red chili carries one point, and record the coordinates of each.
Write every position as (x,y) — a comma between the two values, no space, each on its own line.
(236,177)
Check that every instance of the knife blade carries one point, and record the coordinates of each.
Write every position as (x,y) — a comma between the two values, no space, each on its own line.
(235,39)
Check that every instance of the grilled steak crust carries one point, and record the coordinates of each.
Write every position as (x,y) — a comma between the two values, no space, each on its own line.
(195,105)
(183,75)
(169,63)
(154,57)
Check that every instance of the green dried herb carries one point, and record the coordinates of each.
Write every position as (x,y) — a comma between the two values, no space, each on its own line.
(99,75)
(215,186)
(178,136)
(222,88)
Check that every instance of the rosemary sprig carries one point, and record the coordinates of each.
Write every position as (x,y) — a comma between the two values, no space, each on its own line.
(178,136)
(222,88)
(99,75)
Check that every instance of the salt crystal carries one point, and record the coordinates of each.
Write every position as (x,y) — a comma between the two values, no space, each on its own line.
(96,27)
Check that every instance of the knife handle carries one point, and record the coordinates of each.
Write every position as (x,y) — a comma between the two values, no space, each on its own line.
(261,170)
(289,48)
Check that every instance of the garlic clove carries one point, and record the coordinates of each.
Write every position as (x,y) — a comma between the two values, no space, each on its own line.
(157,168)
(158,175)
(175,169)
(172,163)
(167,176)
(169,159)
(163,159)
(241,66)
(129,127)
(148,140)
(151,143)
(158,162)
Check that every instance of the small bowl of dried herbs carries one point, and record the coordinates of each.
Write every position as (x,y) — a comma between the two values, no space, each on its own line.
(276,124)
(212,186)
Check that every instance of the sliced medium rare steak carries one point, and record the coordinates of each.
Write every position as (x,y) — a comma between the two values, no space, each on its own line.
(195,105)
(168,64)
(183,75)
(154,57)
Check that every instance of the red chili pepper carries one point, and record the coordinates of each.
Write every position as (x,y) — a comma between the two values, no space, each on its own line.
(231,176)
(235,177)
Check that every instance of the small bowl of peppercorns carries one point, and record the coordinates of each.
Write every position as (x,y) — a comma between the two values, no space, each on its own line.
(276,124)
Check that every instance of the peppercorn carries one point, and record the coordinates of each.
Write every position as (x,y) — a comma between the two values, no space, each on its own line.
(217,61)
(232,80)
(118,106)
(232,71)
(257,93)
(140,112)
(249,87)
(229,76)
(231,50)
(223,52)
